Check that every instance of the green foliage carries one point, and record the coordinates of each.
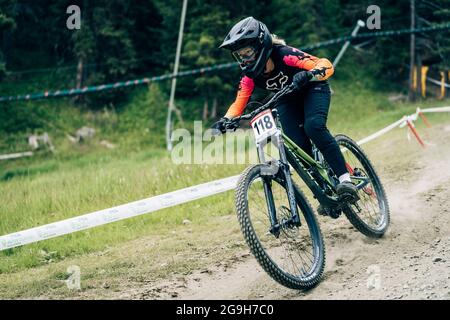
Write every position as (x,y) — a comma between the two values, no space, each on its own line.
(22,117)
(442,14)
(6,23)
(2,69)
(144,116)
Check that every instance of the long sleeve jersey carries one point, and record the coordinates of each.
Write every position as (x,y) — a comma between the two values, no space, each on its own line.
(287,62)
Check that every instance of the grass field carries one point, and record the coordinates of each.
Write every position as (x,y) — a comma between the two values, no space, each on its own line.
(77,180)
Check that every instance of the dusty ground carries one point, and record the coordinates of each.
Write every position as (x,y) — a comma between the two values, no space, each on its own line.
(412,261)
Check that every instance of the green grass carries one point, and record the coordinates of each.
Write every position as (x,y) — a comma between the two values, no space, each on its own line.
(75,188)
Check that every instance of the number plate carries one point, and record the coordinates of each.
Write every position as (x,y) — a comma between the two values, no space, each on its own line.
(263,126)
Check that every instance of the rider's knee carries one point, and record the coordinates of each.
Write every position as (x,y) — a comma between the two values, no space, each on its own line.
(315,127)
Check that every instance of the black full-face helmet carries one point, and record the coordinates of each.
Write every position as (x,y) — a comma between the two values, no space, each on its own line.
(250,43)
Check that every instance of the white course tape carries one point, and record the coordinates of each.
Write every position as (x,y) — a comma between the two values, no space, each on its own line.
(382,131)
(121,212)
(441,109)
(16,155)
(437,82)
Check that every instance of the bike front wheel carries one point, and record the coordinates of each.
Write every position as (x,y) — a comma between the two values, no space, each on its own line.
(295,257)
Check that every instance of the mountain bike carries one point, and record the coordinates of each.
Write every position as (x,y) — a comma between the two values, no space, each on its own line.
(276,219)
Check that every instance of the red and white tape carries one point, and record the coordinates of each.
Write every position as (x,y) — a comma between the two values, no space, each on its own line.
(382,131)
(156,203)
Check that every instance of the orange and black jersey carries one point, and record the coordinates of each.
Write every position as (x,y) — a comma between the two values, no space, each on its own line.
(287,62)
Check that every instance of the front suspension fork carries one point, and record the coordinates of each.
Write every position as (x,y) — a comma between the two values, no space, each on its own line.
(282,170)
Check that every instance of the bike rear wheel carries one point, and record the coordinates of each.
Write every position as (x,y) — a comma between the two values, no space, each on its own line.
(370,214)
(296,258)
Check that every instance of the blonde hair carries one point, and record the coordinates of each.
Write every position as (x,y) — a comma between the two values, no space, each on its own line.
(278,40)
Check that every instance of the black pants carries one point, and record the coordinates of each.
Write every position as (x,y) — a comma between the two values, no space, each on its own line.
(303,115)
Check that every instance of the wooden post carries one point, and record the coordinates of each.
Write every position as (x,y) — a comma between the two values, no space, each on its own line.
(442,92)
(423,85)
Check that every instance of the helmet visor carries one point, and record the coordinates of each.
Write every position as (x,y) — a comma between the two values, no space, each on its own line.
(245,56)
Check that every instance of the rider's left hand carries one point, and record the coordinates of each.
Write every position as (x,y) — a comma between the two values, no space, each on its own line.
(301,78)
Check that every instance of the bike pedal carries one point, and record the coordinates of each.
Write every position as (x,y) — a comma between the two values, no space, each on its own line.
(329,212)
(335,213)
(348,198)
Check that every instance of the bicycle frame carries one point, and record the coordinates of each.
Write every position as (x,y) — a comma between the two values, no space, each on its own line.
(310,171)
(305,166)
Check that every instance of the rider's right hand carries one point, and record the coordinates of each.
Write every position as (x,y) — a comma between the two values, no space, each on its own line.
(301,78)
(219,126)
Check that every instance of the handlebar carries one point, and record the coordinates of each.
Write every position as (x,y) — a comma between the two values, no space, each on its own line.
(286,90)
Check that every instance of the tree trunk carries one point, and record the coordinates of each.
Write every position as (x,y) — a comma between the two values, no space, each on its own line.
(419,76)
(80,70)
(205,110)
(214,109)
(447,80)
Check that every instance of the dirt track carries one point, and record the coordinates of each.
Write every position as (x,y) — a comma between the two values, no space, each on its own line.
(412,261)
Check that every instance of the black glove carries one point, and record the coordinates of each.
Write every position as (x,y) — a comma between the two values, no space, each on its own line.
(301,78)
(232,125)
(219,126)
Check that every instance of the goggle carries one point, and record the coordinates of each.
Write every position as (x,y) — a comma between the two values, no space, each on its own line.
(245,55)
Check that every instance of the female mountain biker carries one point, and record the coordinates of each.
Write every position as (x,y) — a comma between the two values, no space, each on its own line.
(267,62)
